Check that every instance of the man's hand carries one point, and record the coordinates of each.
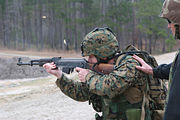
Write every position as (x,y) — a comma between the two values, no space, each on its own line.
(51,68)
(145,67)
(82,73)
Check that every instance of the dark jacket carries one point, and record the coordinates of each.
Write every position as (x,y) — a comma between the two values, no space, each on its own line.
(173,106)
(162,71)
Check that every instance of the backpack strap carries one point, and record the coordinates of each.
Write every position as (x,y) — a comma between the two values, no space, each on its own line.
(142,108)
(145,103)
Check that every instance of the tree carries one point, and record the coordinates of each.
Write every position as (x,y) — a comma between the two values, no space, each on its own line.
(171,42)
(45,24)
(149,23)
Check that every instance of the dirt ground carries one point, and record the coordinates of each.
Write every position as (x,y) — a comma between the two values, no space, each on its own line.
(39,98)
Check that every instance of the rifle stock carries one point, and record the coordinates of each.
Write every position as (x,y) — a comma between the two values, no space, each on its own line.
(68,64)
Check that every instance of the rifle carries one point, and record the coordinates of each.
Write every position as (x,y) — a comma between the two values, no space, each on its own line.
(68,64)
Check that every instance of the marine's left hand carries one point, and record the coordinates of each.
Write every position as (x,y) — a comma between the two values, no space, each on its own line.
(82,73)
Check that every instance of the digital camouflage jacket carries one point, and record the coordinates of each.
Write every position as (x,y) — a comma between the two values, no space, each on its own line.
(118,95)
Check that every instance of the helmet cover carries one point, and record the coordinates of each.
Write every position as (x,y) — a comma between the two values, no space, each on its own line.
(100,42)
(171,11)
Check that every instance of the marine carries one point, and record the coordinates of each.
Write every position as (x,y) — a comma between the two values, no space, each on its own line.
(120,94)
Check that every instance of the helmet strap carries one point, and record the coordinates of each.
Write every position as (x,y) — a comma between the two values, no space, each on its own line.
(106,60)
(177,32)
(103,61)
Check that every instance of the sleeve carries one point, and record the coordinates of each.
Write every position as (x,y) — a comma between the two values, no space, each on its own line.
(115,83)
(162,71)
(74,89)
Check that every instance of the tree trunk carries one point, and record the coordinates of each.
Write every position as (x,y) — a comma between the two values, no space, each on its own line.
(23,27)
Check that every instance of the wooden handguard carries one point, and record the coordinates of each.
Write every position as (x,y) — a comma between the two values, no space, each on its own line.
(102,68)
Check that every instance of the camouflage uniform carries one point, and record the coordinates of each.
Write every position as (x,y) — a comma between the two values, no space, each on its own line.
(118,95)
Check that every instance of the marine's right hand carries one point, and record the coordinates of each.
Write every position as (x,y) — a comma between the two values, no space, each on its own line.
(144,66)
(51,68)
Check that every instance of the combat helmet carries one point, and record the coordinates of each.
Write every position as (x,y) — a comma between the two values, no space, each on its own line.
(100,42)
(171,12)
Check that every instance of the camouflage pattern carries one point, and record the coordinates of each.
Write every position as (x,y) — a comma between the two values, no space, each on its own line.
(119,93)
(116,82)
(74,89)
(99,42)
(171,11)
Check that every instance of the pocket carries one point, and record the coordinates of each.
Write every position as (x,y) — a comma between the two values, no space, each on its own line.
(133,114)
(133,95)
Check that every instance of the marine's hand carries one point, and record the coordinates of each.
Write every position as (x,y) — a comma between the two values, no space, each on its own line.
(82,73)
(51,68)
(144,66)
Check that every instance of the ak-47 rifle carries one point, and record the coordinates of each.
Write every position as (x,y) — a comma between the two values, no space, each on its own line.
(68,64)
